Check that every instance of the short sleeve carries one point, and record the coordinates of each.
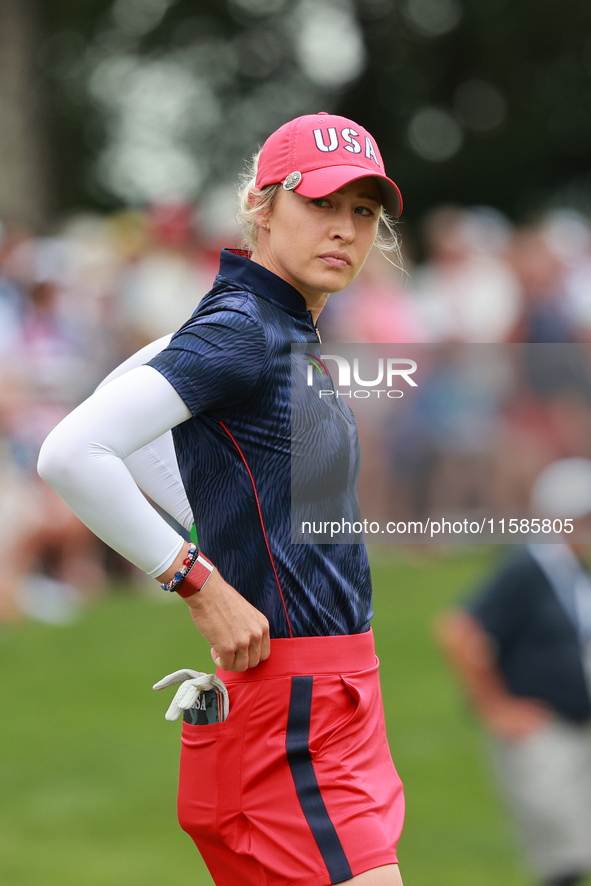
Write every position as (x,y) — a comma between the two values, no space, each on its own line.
(214,361)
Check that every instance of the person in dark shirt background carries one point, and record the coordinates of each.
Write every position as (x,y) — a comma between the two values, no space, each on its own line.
(522,650)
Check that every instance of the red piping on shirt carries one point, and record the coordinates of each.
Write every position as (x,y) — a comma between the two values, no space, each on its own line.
(262,523)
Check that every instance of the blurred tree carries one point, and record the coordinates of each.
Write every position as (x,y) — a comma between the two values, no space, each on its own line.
(479,101)
(161,98)
(72,121)
(24,179)
(472,101)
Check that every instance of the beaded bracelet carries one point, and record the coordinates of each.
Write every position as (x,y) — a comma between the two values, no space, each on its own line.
(177,578)
(202,570)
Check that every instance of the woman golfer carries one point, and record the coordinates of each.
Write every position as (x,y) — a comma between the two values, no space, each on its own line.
(297,785)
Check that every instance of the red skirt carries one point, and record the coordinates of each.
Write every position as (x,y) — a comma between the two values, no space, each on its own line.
(297,786)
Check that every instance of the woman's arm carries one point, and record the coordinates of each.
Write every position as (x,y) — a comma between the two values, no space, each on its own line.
(471,654)
(83,460)
(154,467)
(83,456)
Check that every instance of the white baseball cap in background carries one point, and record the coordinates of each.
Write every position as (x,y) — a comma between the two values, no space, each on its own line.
(563,489)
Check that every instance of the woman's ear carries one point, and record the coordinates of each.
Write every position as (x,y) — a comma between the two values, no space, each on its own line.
(261,213)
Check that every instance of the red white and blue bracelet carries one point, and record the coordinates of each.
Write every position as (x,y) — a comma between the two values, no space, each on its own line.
(197,567)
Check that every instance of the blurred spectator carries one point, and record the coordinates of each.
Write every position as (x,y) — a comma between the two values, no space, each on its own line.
(378,307)
(72,306)
(10,297)
(45,370)
(540,269)
(569,235)
(159,290)
(465,290)
(442,441)
(522,651)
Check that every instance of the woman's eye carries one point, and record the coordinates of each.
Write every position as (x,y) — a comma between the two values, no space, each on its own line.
(364,210)
(320,201)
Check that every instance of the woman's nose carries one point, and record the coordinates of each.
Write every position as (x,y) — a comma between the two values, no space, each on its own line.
(344,226)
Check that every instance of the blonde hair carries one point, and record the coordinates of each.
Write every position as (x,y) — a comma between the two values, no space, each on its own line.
(245,212)
(387,239)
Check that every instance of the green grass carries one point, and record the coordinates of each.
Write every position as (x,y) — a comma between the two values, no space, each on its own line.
(88,765)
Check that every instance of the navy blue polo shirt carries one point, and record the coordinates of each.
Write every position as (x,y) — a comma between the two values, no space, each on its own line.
(231,364)
(536,644)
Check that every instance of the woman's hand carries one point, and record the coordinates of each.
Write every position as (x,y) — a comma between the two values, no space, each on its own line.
(238,633)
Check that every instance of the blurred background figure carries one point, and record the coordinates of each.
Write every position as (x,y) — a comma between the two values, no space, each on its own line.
(72,306)
(539,263)
(441,445)
(48,363)
(522,651)
(571,235)
(380,306)
(162,285)
(465,290)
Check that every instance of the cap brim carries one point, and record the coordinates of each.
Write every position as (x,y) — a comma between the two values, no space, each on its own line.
(320,182)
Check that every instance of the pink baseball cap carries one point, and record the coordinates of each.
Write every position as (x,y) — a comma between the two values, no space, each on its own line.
(320,153)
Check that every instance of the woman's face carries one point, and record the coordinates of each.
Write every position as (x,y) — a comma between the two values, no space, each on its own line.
(319,244)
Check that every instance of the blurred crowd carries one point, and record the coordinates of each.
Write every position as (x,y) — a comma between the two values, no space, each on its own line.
(75,304)
(483,422)
(474,277)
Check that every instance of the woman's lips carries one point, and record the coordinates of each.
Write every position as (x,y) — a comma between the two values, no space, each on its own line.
(336,259)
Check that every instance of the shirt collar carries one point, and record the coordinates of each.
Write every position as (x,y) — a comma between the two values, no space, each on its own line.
(237,265)
(568,580)
(556,558)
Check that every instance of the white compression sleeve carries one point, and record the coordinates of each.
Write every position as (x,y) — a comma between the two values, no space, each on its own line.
(82,459)
(154,467)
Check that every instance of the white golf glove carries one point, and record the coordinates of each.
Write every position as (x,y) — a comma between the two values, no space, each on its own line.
(193,683)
